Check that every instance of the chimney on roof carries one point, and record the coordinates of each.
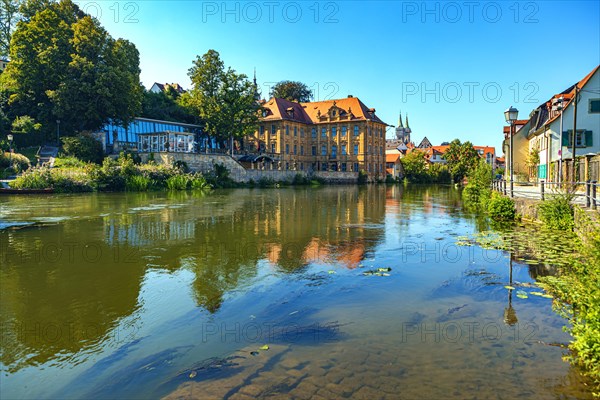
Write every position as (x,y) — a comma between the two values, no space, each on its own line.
(350,96)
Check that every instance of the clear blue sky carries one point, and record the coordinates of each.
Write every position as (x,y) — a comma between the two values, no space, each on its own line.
(454,67)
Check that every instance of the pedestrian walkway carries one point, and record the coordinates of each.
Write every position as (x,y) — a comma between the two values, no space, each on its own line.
(533,191)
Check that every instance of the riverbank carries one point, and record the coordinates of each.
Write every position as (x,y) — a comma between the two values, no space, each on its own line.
(575,286)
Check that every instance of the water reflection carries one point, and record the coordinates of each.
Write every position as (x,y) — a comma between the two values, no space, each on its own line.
(67,284)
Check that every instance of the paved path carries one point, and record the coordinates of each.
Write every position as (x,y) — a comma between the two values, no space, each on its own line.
(532,191)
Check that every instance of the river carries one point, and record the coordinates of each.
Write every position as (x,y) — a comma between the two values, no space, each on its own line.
(363,292)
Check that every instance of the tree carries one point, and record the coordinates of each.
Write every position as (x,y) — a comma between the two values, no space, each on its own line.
(25,124)
(9,16)
(461,159)
(166,107)
(415,166)
(65,66)
(223,98)
(292,91)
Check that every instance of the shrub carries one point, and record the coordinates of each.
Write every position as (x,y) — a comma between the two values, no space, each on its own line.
(300,179)
(177,182)
(84,147)
(16,161)
(199,182)
(181,165)
(68,162)
(363,177)
(557,213)
(138,183)
(501,208)
(35,178)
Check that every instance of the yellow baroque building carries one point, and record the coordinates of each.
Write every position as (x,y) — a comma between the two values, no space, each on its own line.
(332,135)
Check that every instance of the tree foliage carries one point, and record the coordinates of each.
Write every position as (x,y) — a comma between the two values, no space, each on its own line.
(65,66)
(415,166)
(9,16)
(461,159)
(292,91)
(170,106)
(223,98)
(83,147)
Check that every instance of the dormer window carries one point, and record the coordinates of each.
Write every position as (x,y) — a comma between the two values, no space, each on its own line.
(265,112)
(290,111)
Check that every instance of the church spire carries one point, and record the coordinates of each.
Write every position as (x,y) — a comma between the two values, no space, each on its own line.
(400,120)
(407,126)
(256,92)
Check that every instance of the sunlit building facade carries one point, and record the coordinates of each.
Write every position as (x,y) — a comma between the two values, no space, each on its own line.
(333,135)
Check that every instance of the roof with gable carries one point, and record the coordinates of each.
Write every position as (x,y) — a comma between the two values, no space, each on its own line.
(352,105)
(350,109)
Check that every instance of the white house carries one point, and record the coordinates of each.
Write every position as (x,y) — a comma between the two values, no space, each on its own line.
(588,121)
(545,131)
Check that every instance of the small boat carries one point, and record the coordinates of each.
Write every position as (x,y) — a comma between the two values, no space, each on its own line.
(25,191)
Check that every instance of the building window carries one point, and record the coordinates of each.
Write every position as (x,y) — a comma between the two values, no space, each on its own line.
(295,149)
(324,150)
(273,130)
(301,132)
(323,166)
(344,150)
(355,130)
(344,167)
(262,130)
(333,131)
(344,129)
(334,151)
(287,165)
(314,150)
(369,150)
(287,149)
(594,106)
(295,131)
(355,149)
(287,130)
(273,148)
(314,133)
(324,132)
(301,150)
(301,166)
(355,167)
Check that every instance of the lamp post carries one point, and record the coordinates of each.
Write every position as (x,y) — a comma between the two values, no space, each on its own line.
(10,140)
(58,132)
(511,116)
(559,107)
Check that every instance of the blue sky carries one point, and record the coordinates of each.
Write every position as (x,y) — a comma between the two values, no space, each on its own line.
(454,67)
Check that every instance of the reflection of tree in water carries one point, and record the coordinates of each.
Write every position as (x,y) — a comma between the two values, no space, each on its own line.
(65,293)
(289,228)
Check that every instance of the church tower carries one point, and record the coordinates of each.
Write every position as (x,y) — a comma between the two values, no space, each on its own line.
(402,132)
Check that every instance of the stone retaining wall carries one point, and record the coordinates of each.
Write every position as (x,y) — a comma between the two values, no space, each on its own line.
(206,163)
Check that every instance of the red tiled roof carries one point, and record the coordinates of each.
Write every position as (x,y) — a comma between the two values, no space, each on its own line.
(569,96)
(392,157)
(309,113)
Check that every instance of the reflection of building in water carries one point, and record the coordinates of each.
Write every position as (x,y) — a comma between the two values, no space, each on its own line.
(147,230)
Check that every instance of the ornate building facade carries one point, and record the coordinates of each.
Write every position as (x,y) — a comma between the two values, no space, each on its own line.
(332,135)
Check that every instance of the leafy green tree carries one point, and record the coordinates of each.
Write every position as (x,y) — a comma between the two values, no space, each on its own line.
(292,91)
(167,107)
(83,147)
(415,166)
(461,159)
(9,16)
(223,98)
(65,66)
(25,124)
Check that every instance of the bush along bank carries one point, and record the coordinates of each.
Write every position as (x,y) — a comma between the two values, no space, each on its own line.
(577,287)
(477,194)
(122,174)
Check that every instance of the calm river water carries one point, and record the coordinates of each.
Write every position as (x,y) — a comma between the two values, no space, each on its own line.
(175,295)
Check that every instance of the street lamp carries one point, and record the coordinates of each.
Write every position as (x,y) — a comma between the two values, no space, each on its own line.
(560,107)
(511,116)
(58,132)
(10,140)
